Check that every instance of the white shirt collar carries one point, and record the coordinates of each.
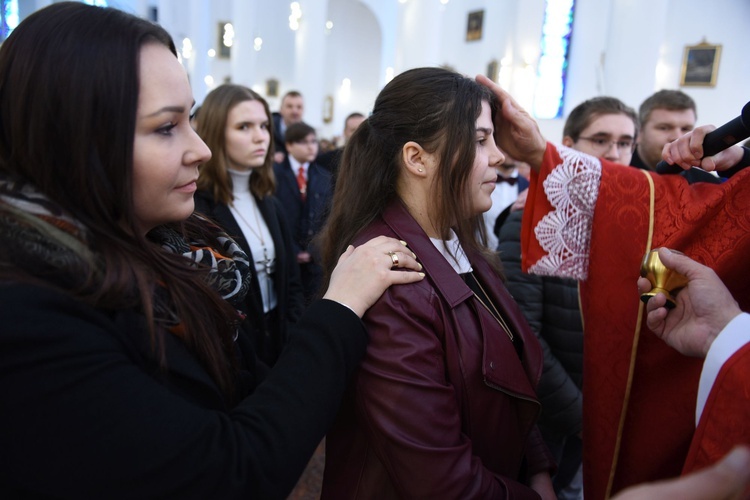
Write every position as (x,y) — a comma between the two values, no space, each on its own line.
(296,165)
(458,260)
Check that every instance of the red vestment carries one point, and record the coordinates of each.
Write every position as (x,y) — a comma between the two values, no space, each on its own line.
(725,421)
(593,220)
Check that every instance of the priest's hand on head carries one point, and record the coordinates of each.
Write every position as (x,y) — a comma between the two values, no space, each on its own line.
(516,132)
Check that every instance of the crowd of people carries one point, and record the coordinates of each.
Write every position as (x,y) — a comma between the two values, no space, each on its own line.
(191,303)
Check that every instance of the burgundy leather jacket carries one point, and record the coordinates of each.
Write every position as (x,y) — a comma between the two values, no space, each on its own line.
(442,406)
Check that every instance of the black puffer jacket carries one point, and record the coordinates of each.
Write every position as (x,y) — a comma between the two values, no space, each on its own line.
(552,309)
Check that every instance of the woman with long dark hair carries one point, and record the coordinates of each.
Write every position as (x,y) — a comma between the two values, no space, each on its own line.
(235,188)
(444,404)
(123,371)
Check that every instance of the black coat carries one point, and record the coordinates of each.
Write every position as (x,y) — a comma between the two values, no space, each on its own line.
(279,143)
(87,413)
(286,279)
(550,305)
(305,218)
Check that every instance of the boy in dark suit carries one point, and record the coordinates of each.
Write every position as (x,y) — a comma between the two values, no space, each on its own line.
(304,188)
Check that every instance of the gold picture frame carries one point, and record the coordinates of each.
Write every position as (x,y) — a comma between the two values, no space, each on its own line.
(700,65)
(272,87)
(328,109)
(493,70)
(474,25)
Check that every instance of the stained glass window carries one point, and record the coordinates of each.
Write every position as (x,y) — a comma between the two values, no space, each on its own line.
(8,18)
(553,63)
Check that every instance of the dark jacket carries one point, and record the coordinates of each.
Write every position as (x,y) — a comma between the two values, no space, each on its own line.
(305,218)
(692,175)
(442,406)
(286,280)
(279,144)
(550,305)
(87,413)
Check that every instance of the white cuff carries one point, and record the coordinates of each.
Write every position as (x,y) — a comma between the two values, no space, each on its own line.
(731,339)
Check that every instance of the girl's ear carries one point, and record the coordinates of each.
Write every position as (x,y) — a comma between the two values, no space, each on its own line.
(417,161)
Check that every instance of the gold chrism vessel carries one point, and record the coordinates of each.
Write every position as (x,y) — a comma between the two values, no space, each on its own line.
(663,279)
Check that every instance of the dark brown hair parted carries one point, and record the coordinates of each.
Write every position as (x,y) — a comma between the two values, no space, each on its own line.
(212,126)
(69,84)
(435,108)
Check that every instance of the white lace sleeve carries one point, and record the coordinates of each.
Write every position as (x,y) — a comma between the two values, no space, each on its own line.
(565,233)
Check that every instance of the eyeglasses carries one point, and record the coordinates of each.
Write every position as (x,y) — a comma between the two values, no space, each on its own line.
(602,145)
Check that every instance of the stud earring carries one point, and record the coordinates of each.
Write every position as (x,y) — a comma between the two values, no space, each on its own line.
(420,170)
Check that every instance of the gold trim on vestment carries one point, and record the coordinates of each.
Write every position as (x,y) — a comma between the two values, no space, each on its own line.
(636,338)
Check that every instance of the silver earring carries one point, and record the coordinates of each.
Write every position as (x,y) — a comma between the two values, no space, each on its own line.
(420,170)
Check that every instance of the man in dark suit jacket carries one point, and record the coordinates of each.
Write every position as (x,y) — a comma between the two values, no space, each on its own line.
(291,111)
(304,189)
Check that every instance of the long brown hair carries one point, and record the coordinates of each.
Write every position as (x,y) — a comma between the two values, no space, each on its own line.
(212,125)
(436,108)
(69,83)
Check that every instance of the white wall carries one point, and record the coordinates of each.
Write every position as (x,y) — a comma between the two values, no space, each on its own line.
(624,48)
(632,48)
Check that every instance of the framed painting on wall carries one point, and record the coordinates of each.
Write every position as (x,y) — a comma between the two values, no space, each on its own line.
(700,65)
(474,25)
(493,72)
(272,87)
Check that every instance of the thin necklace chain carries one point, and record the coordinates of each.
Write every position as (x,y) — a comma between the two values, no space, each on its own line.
(494,312)
(266,262)
(259,233)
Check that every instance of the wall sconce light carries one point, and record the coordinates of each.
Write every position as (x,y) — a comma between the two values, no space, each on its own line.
(187,48)
(295,16)
(228,37)
(389,73)
(345,91)
(257,43)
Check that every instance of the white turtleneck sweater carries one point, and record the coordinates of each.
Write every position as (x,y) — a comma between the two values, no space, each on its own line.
(255,230)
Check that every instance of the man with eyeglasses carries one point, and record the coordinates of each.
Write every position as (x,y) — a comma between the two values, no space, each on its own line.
(604,127)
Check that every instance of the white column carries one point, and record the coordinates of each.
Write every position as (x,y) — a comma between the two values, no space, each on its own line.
(634,48)
(387,14)
(419,35)
(201,29)
(244,56)
(310,48)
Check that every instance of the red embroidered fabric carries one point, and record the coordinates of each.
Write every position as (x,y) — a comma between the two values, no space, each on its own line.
(708,222)
(725,421)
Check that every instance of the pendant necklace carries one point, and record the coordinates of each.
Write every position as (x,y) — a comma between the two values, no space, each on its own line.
(265,262)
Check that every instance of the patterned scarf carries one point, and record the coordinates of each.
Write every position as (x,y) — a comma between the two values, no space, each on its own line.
(41,238)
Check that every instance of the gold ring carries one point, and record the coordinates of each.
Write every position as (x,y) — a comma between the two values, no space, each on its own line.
(394,258)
